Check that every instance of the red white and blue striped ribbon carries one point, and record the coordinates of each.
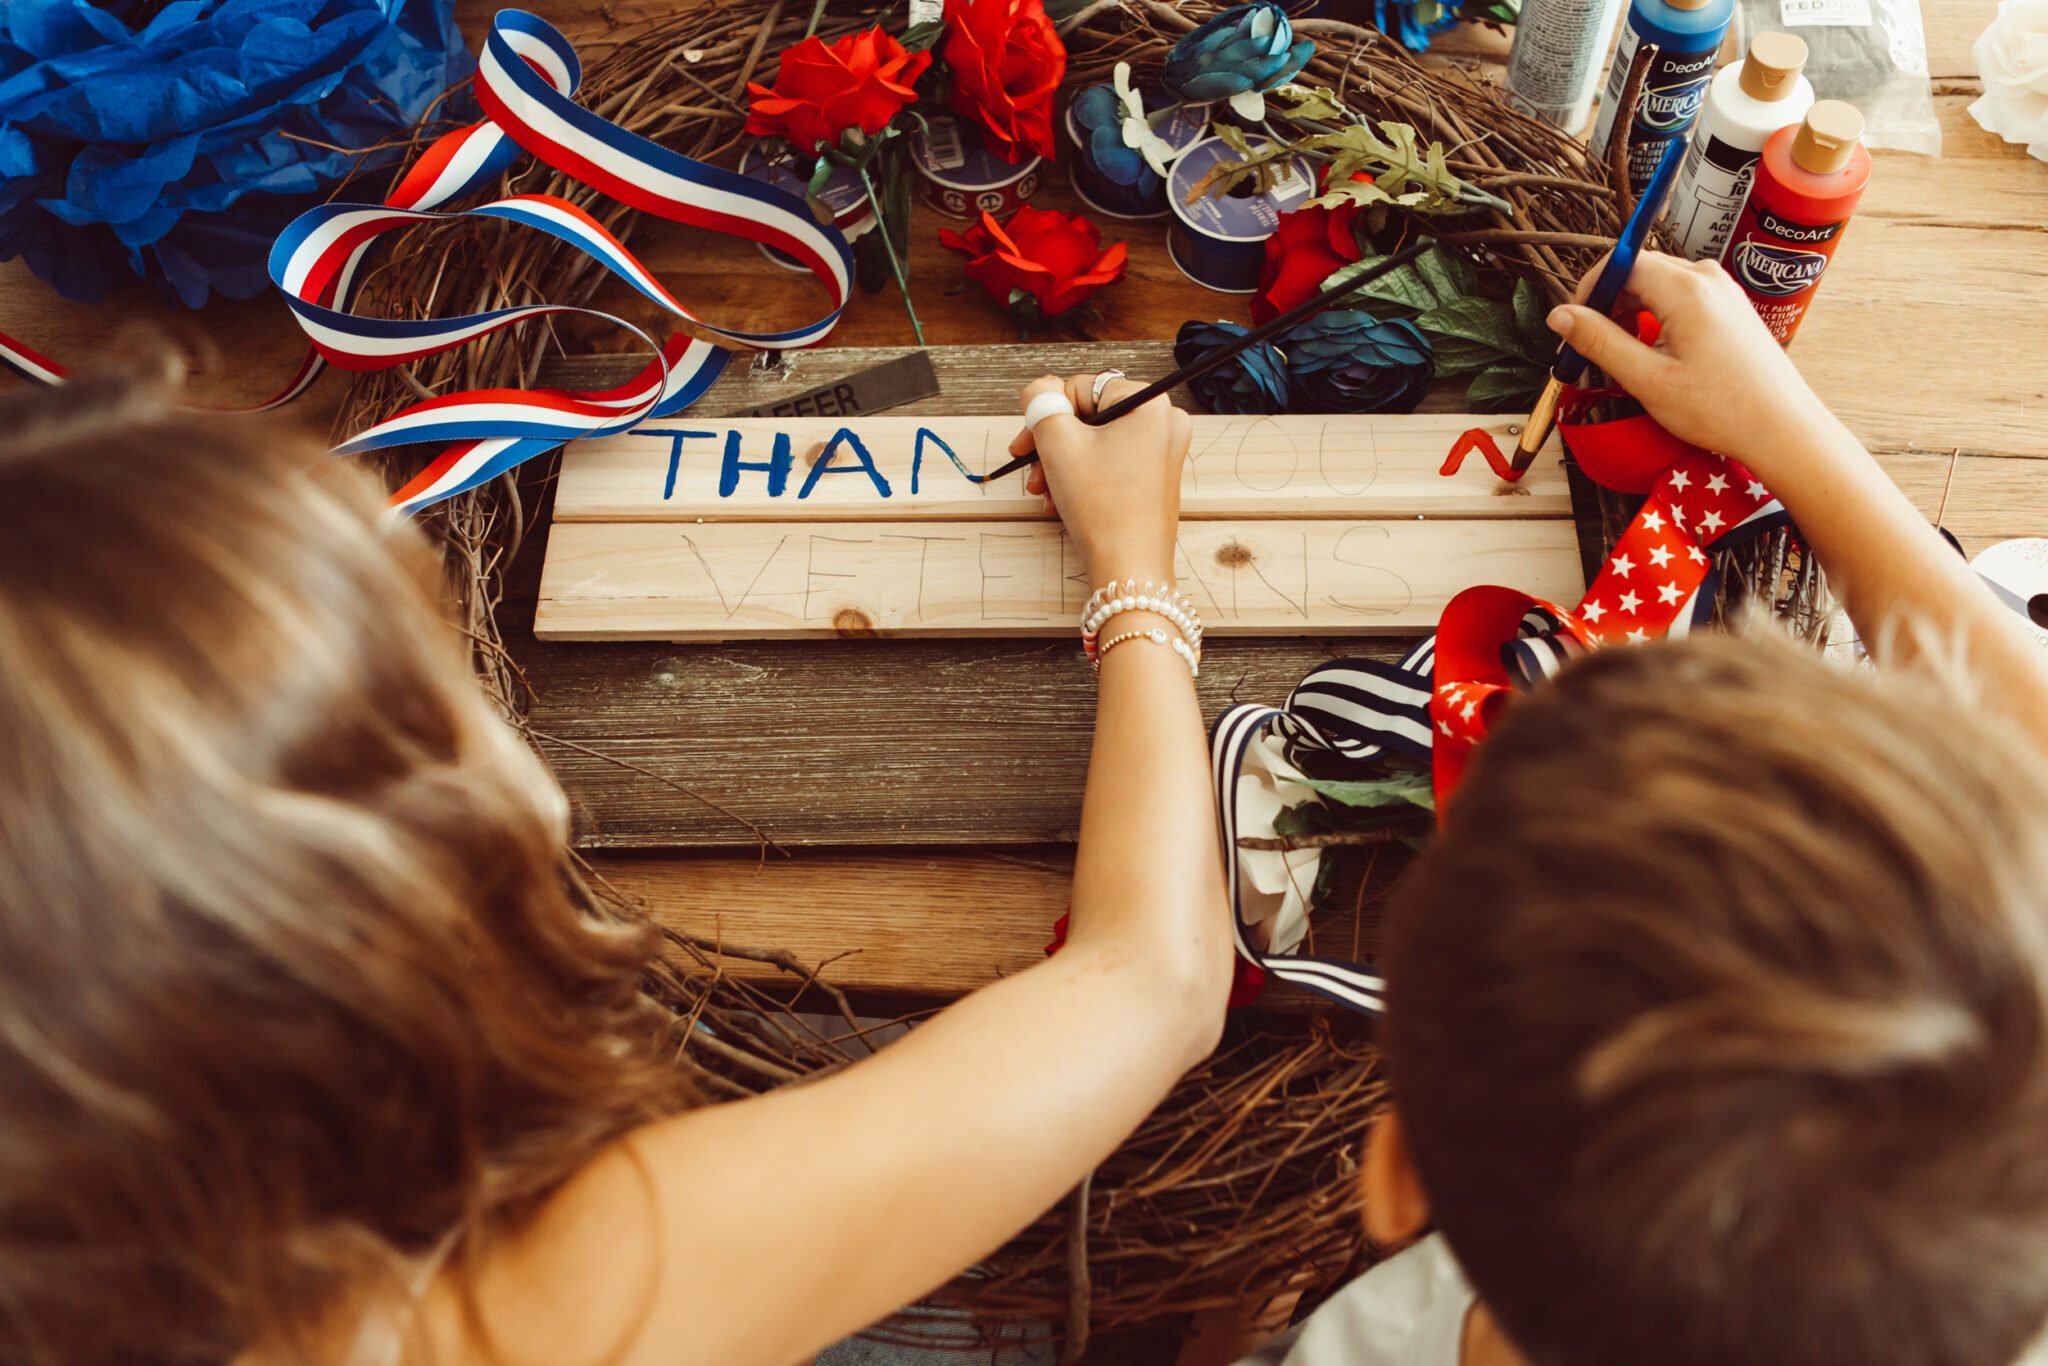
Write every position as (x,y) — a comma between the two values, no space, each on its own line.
(526,81)
(29,363)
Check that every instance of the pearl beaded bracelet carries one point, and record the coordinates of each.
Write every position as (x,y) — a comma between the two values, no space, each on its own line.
(1129,595)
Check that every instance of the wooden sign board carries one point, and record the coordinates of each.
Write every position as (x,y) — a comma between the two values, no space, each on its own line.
(885,468)
(736,528)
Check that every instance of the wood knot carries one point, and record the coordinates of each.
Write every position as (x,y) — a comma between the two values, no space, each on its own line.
(814,454)
(1233,555)
(853,623)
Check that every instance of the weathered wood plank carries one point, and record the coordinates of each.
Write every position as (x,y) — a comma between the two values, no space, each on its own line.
(892,466)
(1991,498)
(794,580)
(926,924)
(863,743)
(902,929)
(983,378)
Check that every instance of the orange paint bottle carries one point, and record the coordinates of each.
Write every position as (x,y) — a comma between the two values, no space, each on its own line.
(1807,183)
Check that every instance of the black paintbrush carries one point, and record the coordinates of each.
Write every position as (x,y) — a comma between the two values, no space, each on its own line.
(1217,355)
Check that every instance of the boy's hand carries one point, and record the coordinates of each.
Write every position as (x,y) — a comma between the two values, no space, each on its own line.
(1716,376)
(1116,487)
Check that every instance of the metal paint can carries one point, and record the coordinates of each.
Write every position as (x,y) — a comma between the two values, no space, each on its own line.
(1219,240)
(843,195)
(960,178)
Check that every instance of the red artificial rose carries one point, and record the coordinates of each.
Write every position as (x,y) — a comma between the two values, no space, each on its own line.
(820,91)
(1056,259)
(1307,247)
(1007,60)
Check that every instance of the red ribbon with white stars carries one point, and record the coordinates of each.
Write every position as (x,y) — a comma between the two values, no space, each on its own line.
(1650,586)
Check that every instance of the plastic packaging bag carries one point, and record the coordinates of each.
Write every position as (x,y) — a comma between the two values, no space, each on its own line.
(1872,53)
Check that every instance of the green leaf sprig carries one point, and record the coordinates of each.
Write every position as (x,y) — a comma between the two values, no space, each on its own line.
(1502,344)
(1404,173)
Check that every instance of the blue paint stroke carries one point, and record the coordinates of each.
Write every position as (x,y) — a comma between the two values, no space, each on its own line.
(844,436)
(917,458)
(675,454)
(776,466)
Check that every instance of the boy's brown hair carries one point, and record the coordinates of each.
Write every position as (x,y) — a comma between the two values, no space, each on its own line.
(1719,1017)
(292,990)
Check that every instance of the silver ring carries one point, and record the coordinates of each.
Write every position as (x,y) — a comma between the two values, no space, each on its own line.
(1102,382)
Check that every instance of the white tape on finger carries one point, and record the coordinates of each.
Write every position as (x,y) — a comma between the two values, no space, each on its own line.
(1044,406)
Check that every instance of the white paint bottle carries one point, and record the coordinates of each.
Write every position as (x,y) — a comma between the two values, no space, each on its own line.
(1559,52)
(1747,102)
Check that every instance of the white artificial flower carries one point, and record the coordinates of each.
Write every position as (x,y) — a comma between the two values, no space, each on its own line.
(2012,59)
(1127,94)
(1137,129)
(1273,884)
(1249,105)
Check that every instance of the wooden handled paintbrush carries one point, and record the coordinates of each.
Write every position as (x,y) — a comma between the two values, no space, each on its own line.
(1219,355)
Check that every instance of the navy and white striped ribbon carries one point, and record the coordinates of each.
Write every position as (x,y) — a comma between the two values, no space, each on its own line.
(1356,711)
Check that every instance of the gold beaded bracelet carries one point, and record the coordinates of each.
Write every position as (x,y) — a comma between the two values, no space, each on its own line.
(1158,636)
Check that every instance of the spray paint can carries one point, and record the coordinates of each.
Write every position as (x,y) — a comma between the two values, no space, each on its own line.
(1687,37)
(1746,103)
(1554,65)
(1807,183)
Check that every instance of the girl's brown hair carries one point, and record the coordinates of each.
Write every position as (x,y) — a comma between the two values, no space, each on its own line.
(293,989)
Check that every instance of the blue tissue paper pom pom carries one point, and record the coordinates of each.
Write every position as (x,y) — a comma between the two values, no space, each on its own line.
(1252,381)
(1347,361)
(176,145)
(1250,47)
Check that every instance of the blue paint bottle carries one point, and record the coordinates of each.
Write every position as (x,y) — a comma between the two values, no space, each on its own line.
(1687,37)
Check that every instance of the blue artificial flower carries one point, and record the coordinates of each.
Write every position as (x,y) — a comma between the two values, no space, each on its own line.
(1241,51)
(1252,381)
(1100,115)
(1414,22)
(1347,361)
(179,150)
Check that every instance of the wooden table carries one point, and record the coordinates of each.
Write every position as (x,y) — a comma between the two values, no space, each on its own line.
(923,795)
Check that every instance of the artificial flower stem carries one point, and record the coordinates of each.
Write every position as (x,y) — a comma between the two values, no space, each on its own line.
(817,15)
(1218,355)
(889,248)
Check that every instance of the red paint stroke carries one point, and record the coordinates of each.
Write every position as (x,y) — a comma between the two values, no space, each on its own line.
(1479,440)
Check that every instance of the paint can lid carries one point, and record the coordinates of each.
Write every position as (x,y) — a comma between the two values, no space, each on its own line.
(950,153)
(1828,139)
(842,191)
(1239,217)
(1771,70)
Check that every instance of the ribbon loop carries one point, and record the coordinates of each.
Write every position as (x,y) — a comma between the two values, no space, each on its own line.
(1491,642)
(526,84)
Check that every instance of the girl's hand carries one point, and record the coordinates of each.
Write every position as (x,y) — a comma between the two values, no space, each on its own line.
(1716,376)
(1117,487)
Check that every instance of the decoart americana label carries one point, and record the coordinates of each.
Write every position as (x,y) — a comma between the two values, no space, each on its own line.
(1776,272)
(1779,261)
(1673,90)
(1790,231)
